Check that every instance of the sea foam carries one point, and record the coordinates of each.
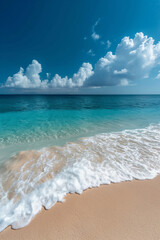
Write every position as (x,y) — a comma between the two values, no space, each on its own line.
(33,179)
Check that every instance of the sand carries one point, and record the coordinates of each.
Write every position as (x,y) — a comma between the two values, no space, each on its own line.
(127,210)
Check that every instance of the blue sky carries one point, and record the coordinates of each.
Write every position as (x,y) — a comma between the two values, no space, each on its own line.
(62,35)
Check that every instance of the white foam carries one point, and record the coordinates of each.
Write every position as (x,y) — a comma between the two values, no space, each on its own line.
(105,158)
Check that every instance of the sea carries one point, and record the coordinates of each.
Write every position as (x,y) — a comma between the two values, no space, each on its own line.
(52,145)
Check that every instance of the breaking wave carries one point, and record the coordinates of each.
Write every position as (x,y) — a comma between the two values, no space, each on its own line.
(37,178)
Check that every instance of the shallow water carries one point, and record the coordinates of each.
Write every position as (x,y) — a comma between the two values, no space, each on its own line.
(33,122)
(81,142)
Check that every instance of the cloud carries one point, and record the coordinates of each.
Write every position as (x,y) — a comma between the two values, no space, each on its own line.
(122,71)
(31,78)
(158,75)
(124,82)
(48,75)
(134,59)
(108,44)
(91,53)
(77,80)
(94,35)
(27,79)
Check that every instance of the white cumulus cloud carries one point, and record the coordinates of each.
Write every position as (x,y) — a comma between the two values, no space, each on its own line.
(134,59)
(29,78)
(77,80)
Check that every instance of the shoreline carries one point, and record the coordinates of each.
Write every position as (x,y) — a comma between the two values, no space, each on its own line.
(125,210)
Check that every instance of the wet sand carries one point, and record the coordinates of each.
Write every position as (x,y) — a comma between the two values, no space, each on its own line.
(122,211)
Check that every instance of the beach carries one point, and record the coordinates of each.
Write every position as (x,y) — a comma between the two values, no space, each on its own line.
(126,210)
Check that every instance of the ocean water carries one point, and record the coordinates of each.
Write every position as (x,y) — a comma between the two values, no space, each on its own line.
(53,145)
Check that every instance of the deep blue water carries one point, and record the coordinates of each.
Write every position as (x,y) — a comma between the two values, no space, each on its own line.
(28,122)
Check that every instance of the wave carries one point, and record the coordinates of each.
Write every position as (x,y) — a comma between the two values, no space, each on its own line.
(37,178)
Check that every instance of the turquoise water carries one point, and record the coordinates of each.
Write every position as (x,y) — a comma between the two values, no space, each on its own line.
(33,122)
(57,145)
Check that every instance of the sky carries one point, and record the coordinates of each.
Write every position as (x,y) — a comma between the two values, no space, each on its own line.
(80,47)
